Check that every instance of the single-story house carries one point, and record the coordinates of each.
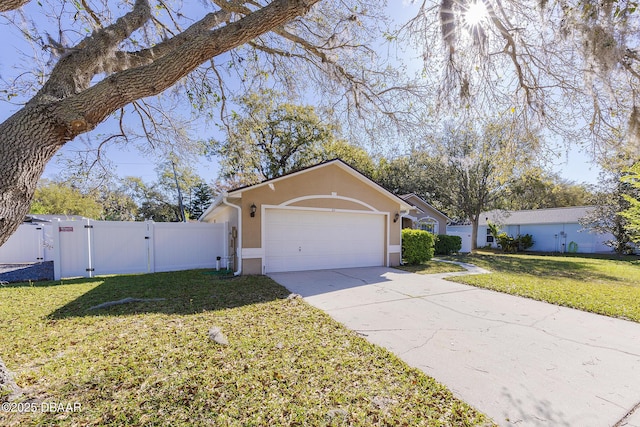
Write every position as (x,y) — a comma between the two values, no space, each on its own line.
(423,216)
(553,230)
(325,216)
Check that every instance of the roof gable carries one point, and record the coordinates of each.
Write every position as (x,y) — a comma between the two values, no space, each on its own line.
(422,205)
(336,163)
(330,163)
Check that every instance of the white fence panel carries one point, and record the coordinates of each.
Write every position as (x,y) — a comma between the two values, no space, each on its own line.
(86,248)
(71,243)
(119,247)
(180,246)
(464,231)
(466,240)
(25,245)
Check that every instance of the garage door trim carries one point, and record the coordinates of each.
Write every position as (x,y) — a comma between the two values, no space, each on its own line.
(324,196)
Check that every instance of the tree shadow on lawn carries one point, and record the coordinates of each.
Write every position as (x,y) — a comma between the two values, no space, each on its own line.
(184,292)
(573,267)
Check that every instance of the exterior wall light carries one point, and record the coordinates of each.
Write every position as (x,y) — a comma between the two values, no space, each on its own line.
(252,210)
(396,217)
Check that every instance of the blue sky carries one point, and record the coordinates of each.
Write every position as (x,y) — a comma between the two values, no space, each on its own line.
(574,165)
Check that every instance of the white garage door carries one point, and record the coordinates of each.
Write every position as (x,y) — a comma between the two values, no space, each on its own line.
(313,240)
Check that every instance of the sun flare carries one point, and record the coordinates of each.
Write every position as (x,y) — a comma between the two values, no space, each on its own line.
(476,13)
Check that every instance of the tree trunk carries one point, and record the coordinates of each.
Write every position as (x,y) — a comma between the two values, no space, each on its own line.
(474,232)
(28,140)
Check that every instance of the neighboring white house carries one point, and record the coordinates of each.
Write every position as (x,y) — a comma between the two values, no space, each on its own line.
(553,230)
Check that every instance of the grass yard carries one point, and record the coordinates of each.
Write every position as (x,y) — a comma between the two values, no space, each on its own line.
(597,284)
(152,363)
(431,267)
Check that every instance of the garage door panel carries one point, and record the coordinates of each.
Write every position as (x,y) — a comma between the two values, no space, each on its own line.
(307,239)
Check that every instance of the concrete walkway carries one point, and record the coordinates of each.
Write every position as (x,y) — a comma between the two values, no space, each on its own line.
(520,361)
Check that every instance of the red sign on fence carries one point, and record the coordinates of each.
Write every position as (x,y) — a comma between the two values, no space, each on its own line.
(65,229)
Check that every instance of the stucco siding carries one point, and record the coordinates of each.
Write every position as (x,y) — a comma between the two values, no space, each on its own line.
(394,259)
(327,202)
(252,266)
(427,212)
(334,188)
(224,214)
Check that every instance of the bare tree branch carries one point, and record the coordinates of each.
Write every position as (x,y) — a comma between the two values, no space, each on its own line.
(73,73)
(7,5)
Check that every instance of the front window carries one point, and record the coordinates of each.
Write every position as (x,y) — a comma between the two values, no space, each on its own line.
(428,224)
(489,236)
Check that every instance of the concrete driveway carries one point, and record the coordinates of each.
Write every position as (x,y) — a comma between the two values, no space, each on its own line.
(522,362)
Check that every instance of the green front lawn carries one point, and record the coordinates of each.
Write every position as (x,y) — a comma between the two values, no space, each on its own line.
(609,286)
(152,363)
(431,267)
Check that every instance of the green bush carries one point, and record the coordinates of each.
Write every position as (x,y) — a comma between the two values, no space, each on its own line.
(417,246)
(510,243)
(525,242)
(507,243)
(447,245)
(514,244)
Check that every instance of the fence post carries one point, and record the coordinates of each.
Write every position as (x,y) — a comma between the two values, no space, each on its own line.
(88,227)
(57,260)
(151,261)
(40,254)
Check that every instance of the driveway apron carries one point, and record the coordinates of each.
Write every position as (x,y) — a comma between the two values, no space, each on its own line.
(520,361)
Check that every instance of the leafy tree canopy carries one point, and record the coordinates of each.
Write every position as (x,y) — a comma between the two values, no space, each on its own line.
(632,213)
(57,198)
(159,200)
(270,137)
(537,189)
(611,200)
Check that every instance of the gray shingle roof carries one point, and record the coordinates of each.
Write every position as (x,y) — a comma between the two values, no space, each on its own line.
(536,216)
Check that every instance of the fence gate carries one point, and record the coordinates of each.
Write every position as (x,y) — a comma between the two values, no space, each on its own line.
(25,245)
(71,241)
(119,246)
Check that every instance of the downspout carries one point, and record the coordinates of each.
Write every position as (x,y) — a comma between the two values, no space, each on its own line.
(239,238)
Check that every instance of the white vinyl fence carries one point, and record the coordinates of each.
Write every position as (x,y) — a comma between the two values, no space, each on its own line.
(27,244)
(90,248)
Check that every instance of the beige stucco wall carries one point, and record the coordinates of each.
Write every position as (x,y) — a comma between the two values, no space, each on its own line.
(429,212)
(331,183)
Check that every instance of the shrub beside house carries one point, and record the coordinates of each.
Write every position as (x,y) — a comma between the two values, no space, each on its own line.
(417,246)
